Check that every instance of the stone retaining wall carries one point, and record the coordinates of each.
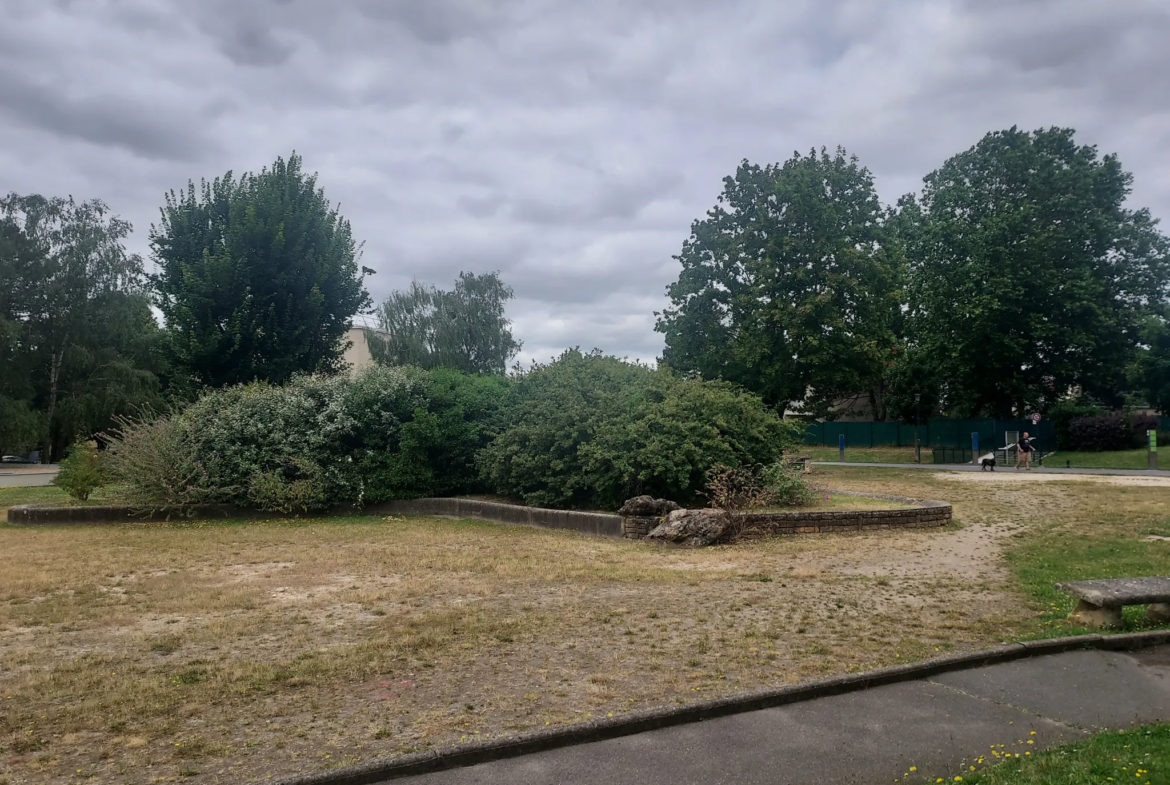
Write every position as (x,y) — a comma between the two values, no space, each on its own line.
(597,523)
(48,514)
(923,514)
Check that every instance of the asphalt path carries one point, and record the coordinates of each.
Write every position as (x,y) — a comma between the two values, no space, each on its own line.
(910,732)
(969,467)
(26,476)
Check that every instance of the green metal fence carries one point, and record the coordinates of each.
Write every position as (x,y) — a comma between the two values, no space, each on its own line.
(938,432)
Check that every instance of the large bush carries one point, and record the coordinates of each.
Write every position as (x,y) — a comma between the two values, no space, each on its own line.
(1117,431)
(313,443)
(1063,413)
(589,431)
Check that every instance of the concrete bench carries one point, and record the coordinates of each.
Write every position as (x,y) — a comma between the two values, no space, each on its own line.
(1101,601)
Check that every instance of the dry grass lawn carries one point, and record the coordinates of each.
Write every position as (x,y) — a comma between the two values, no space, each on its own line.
(222,652)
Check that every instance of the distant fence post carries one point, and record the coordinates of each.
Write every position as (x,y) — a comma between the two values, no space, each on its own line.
(974,446)
(841,446)
(1153,454)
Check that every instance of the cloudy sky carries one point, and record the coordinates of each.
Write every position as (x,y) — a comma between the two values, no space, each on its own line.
(567,144)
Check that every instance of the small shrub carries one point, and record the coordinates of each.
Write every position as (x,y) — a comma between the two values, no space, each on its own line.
(736,490)
(787,484)
(157,461)
(1118,431)
(81,472)
(739,490)
(295,487)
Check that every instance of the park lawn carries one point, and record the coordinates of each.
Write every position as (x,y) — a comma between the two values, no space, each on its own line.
(1114,546)
(1114,459)
(1139,755)
(232,651)
(866,454)
(50,494)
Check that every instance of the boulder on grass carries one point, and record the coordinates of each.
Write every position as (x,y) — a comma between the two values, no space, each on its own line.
(647,507)
(696,528)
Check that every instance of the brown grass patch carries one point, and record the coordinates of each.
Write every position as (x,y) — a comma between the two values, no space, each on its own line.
(231,652)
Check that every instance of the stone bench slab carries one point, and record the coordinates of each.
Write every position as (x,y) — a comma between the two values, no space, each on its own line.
(1115,592)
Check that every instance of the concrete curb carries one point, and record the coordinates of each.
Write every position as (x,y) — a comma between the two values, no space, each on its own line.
(653,719)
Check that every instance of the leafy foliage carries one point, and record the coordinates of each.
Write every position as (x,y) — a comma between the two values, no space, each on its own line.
(1063,413)
(77,339)
(791,282)
(258,277)
(81,471)
(590,431)
(463,329)
(316,442)
(746,488)
(1028,275)
(1116,431)
(1152,368)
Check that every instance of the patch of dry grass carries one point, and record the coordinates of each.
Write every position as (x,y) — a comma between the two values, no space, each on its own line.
(221,651)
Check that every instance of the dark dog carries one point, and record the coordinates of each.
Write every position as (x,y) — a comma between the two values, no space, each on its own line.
(988,462)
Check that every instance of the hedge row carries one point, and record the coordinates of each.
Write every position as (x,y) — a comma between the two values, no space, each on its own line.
(585,431)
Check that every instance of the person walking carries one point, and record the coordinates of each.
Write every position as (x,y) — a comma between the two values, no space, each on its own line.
(1024,450)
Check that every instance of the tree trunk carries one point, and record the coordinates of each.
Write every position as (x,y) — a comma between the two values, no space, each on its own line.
(877,405)
(54,372)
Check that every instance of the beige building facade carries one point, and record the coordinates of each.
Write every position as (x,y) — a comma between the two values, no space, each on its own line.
(358,356)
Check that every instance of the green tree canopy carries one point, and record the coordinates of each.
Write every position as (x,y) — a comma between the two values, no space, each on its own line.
(464,328)
(1152,368)
(790,285)
(77,338)
(257,276)
(1028,274)
(590,431)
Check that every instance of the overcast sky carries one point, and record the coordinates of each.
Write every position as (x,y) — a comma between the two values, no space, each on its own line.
(567,144)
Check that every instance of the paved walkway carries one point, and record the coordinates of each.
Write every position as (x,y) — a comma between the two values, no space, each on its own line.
(938,725)
(26,476)
(968,467)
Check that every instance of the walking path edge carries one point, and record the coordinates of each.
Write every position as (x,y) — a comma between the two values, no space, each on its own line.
(652,719)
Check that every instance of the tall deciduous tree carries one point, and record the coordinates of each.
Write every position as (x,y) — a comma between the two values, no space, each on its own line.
(1152,368)
(1028,275)
(464,328)
(76,332)
(258,276)
(790,286)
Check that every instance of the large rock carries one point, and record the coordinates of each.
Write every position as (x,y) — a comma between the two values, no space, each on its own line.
(695,528)
(647,507)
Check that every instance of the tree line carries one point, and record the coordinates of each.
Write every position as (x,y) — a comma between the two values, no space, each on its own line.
(1017,278)
(256,278)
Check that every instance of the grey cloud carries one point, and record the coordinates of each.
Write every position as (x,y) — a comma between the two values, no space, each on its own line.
(613,200)
(107,120)
(435,22)
(481,207)
(255,46)
(568,145)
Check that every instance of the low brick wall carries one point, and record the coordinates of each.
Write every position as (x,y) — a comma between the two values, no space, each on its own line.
(596,523)
(923,514)
(637,528)
(48,514)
